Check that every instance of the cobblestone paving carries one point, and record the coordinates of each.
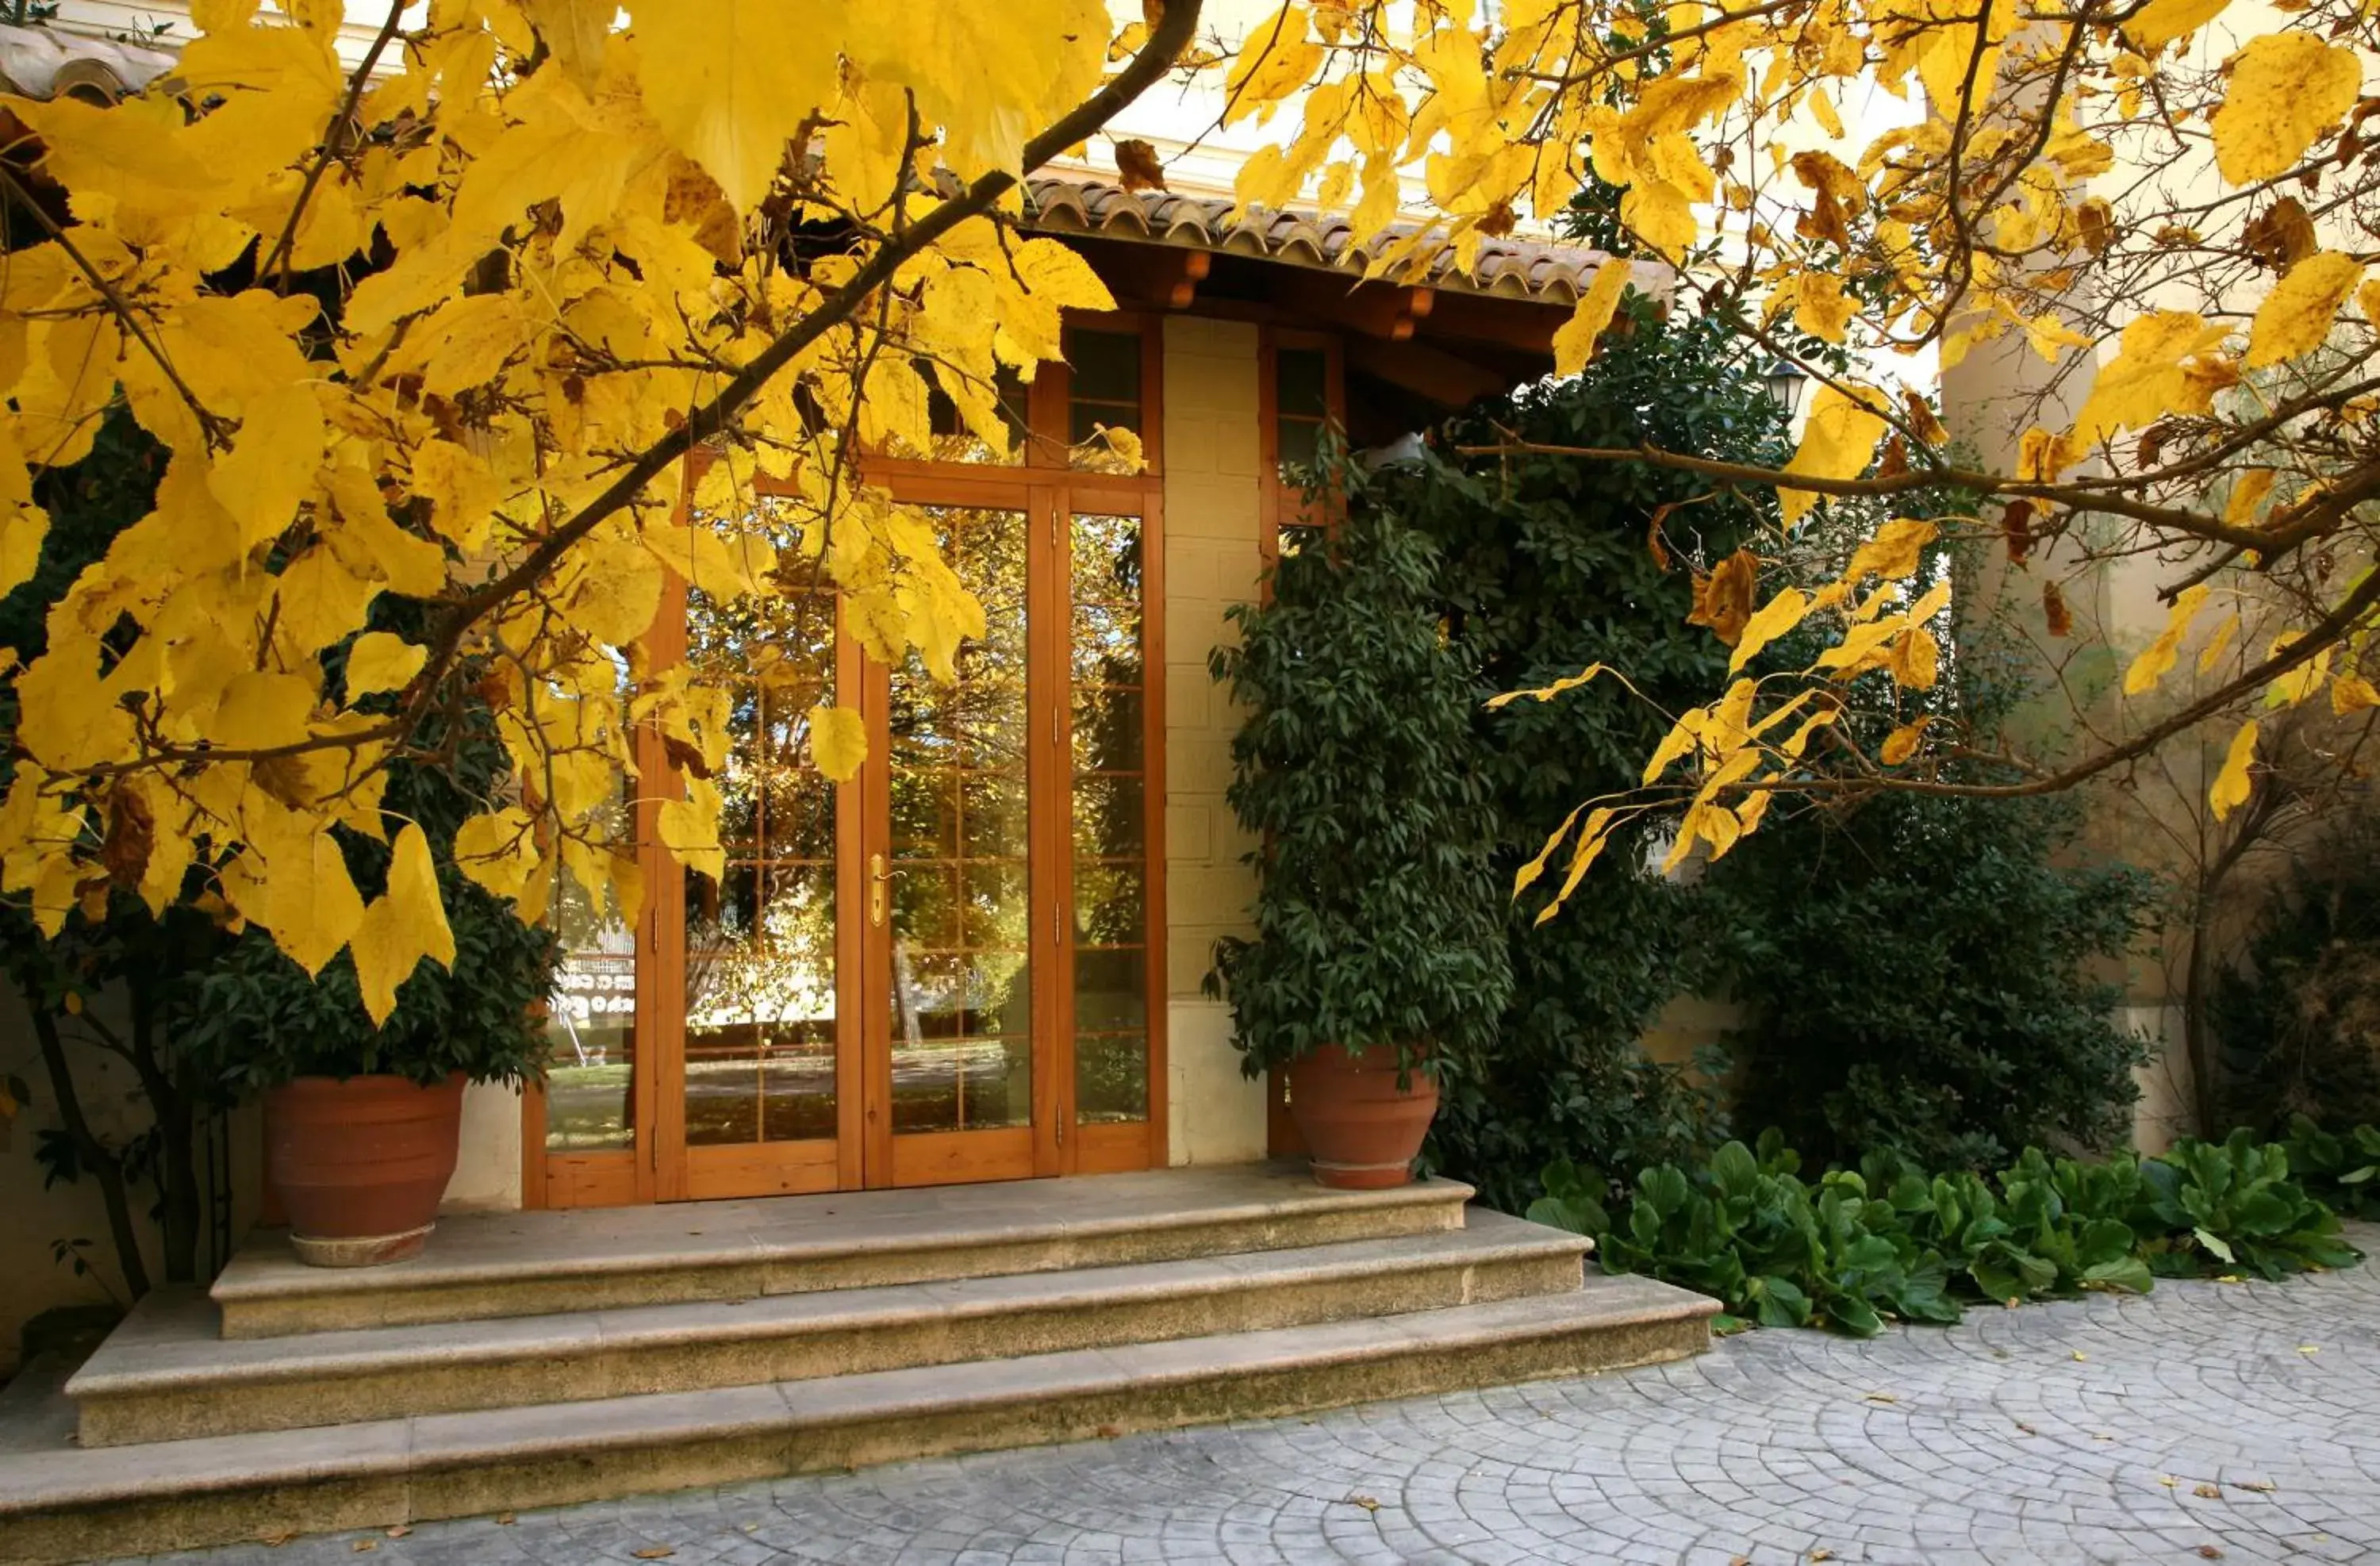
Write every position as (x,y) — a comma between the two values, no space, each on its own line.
(2204,1421)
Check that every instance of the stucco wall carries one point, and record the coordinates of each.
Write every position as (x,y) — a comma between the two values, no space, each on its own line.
(1211,507)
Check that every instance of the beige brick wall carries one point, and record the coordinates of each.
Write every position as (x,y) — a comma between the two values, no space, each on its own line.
(1211,508)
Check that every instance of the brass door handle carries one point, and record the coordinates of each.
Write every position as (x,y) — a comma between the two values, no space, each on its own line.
(877,875)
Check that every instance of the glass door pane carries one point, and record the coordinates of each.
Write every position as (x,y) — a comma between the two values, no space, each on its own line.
(960,980)
(760,961)
(1109,828)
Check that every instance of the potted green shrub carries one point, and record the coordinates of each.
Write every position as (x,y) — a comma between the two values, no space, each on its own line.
(1378,963)
(361,1123)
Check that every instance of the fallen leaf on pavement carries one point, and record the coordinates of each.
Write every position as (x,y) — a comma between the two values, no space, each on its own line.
(2210,1552)
(362,1545)
(658,1552)
(2207,1492)
(400,1531)
(503,1519)
(2261,1487)
(1367,1502)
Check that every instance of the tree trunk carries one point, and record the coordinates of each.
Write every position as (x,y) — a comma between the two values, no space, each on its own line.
(106,1167)
(177,1176)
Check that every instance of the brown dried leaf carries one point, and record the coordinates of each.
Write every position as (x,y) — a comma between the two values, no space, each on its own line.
(131,833)
(2097,223)
(1498,221)
(1367,1502)
(2209,1552)
(1921,419)
(2016,527)
(401,1529)
(364,1547)
(658,1552)
(686,758)
(1653,534)
(2281,235)
(1895,461)
(1137,167)
(2207,1492)
(2061,623)
(1723,599)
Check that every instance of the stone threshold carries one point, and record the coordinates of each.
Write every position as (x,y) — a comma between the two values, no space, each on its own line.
(485,1265)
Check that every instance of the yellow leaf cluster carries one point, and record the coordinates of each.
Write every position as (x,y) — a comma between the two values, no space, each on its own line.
(448,347)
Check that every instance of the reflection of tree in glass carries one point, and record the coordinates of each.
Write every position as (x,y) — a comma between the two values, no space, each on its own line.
(590,1019)
(761,944)
(1111,1004)
(959,841)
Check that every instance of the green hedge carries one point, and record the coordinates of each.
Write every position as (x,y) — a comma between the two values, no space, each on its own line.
(1890,1240)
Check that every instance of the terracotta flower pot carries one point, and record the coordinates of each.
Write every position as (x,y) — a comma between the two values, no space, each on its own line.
(360,1164)
(1361,1130)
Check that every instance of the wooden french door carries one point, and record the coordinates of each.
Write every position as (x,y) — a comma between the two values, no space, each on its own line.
(949,968)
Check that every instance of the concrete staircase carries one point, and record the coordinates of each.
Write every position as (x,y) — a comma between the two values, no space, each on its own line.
(533,1359)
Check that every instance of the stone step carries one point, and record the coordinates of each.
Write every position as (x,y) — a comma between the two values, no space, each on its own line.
(75,1504)
(166,1374)
(484,1266)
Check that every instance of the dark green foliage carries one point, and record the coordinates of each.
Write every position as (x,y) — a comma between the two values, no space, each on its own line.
(1546,567)
(1888,1241)
(124,952)
(2298,1013)
(1920,968)
(1378,915)
(2342,1169)
(256,1020)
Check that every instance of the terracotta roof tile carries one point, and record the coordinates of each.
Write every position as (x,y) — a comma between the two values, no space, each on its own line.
(1513,268)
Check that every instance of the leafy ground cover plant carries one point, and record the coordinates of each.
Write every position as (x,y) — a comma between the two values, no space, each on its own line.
(2342,1169)
(1890,1240)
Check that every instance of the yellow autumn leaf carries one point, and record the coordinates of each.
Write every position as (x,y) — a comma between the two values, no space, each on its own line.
(313,905)
(2149,376)
(497,850)
(1547,692)
(1523,878)
(2231,785)
(1901,742)
(2217,644)
(2247,494)
(2352,693)
(404,924)
(1591,841)
(1574,339)
(1915,661)
(2288,689)
(2158,657)
(690,828)
(381,661)
(1837,443)
(272,467)
(2287,89)
(730,81)
(838,742)
(1894,552)
(1772,619)
(1821,308)
(2159,22)
(2295,316)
